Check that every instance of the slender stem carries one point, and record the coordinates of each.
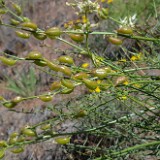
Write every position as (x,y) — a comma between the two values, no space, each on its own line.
(137,69)
(94,33)
(115,20)
(140,146)
(111,65)
(16,27)
(154,4)
(75,46)
(129,149)
(135,82)
(8,25)
(145,92)
(18,17)
(113,33)
(139,37)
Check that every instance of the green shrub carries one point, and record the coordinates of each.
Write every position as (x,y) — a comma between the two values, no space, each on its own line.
(116,116)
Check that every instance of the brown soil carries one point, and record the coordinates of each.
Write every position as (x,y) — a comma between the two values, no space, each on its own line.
(46,14)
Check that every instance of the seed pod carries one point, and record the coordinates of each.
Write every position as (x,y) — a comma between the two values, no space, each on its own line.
(53,32)
(40,36)
(108,69)
(104,86)
(3,143)
(3,11)
(1,98)
(120,80)
(66,59)
(17,8)
(103,13)
(77,37)
(81,113)
(21,138)
(67,91)
(14,134)
(12,140)
(46,98)
(90,83)
(23,35)
(80,76)
(14,22)
(65,70)
(34,55)
(115,41)
(100,73)
(26,19)
(40,63)
(67,83)
(29,25)
(46,126)
(17,150)
(125,30)
(7,61)
(62,140)
(17,99)
(9,104)
(55,85)
(2,153)
(28,132)
(52,66)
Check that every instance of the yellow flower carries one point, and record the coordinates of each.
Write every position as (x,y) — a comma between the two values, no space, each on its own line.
(137,85)
(84,19)
(97,90)
(68,24)
(123,60)
(123,97)
(85,65)
(136,57)
(109,1)
(126,83)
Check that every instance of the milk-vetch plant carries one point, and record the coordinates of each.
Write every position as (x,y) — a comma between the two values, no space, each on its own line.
(121,103)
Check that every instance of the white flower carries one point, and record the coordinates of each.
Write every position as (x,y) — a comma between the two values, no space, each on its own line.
(130,21)
(85,6)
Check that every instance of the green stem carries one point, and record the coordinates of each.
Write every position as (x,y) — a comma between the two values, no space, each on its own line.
(111,65)
(137,69)
(113,33)
(137,147)
(154,4)
(139,37)
(145,92)
(115,20)
(71,44)
(16,27)
(130,149)
(8,25)
(95,32)
(135,82)
(18,17)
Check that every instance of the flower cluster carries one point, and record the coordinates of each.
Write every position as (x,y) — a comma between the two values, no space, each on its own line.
(85,6)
